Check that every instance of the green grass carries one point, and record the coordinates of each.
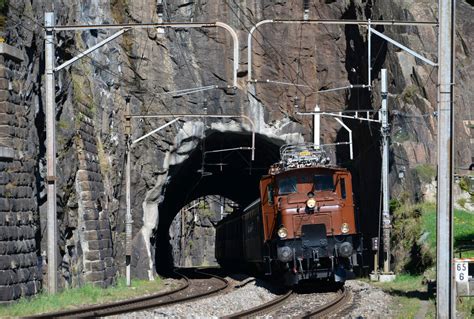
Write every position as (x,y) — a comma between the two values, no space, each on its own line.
(463,227)
(73,298)
(408,291)
(411,297)
(466,306)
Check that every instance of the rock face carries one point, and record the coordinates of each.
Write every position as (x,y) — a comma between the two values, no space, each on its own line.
(192,231)
(150,64)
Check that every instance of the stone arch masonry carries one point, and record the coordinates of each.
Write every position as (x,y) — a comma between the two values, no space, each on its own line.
(20,274)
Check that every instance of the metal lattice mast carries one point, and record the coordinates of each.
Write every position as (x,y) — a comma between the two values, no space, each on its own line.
(385,129)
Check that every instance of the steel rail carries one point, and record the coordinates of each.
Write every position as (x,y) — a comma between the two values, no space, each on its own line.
(135,304)
(262,309)
(334,306)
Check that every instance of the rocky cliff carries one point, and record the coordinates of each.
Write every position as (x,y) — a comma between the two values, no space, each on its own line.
(174,166)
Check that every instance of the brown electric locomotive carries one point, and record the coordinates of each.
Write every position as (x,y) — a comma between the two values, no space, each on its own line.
(303,225)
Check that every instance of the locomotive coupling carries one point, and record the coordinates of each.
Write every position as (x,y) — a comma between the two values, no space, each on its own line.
(345,250)
(285,254)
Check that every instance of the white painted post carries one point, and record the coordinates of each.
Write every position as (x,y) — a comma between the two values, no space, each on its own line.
(128,215)
(369,55)
(317,127)
(351,149)
(386,222)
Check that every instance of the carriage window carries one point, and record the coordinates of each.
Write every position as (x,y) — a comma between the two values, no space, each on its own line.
(305,179)
(270,193)
(287,185)
(323,183)
(343,188)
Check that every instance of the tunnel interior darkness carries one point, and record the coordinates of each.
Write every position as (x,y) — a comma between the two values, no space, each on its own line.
(230,174)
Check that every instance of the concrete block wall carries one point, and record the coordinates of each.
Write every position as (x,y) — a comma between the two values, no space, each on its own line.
(20,274)
(94,227)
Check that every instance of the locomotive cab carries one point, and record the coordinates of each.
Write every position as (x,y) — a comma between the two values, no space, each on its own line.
(309,223)
(302,226)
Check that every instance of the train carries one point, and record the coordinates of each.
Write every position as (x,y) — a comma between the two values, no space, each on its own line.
(302,227)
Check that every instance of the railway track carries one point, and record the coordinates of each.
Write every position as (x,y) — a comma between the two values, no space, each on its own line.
(341,301)
(182,293)
(332,307)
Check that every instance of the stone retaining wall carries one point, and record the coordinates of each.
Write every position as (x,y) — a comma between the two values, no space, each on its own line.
(20,274)
(95,236)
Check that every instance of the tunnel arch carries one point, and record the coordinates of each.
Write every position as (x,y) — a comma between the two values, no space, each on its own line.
(192,232)
(229,174)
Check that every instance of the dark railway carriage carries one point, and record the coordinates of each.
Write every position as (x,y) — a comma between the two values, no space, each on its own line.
(303,225)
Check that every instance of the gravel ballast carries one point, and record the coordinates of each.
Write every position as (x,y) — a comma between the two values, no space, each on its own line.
(367,302)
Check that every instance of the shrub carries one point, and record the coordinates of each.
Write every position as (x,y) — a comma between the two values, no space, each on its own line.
(409,93)
(425,172)
(411,251)
(462,202)
(465,183)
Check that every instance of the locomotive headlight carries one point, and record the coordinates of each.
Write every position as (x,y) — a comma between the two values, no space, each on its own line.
(345,228)
(282,232)
(311,203)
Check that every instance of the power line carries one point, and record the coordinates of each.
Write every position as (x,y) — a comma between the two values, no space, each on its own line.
(34,20)
(92,61)
(267,42)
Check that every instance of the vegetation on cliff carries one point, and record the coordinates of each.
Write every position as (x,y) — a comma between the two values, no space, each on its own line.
(414,235)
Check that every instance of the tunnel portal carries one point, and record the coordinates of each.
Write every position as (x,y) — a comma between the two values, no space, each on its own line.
(230,174)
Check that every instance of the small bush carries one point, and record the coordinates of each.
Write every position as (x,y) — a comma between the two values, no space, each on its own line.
(409,93)
(401,136)
(3,6)
(425,172)
(462,202)
(410,249)
(465,183)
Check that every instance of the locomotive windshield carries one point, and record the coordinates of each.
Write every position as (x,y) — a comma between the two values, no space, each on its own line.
(323,183)
(287,185)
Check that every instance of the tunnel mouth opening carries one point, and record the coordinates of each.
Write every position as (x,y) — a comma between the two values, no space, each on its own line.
(214,166)
(192,231)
